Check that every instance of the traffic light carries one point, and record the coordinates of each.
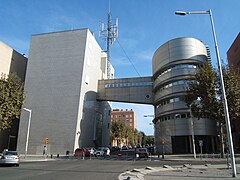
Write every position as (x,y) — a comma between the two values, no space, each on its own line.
(46,140)
(162,141)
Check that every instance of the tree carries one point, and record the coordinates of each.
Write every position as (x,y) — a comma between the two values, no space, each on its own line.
(232,86)
(149,140)
(11,100)
(201,94)
(115,131)
(204,96)
(122,132)
(141,137)
(127,134)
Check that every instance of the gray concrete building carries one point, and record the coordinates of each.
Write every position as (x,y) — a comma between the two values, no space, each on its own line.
(11,61)
(174,65)
(61,88)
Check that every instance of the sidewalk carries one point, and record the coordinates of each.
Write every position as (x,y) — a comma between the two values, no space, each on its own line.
(215,171)
(189,172)
(34,158)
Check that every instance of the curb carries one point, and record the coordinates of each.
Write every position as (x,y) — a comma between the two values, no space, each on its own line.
(138,174)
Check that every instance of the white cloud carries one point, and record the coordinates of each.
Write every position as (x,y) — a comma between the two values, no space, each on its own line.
(144,55)
(120,61)
(128,43)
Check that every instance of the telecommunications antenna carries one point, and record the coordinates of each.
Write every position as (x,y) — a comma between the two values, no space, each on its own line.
(109,33)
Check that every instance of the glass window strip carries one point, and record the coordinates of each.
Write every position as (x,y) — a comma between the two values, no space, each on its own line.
(131,84)
(181,82)
(168,101)
(188,66)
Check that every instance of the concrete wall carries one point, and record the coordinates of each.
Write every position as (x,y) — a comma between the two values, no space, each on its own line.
(61,86)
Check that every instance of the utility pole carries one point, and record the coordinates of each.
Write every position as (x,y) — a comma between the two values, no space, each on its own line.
(109,34)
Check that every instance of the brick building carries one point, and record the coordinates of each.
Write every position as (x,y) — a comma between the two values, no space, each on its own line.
(233,55)
(128,116)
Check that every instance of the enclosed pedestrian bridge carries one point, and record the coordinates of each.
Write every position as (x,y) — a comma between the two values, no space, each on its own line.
(131,90)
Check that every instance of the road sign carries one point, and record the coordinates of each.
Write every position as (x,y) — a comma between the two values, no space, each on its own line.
(200,143)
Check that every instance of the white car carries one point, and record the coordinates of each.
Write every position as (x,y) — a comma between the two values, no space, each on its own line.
(101,151)
(10,158)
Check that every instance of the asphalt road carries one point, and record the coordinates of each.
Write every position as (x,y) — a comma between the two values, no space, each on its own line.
(77,169)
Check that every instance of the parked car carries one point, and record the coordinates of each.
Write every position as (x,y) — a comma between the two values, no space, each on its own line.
(142,153)
(151,149)
(80,151)
(115,148)
(124,148)
(10,158)
(101,151)
(91,150)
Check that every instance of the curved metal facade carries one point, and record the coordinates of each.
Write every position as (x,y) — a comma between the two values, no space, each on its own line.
(174,64)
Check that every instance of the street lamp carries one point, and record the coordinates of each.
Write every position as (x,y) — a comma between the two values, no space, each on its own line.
(193,139)
(228,126)
(28,129)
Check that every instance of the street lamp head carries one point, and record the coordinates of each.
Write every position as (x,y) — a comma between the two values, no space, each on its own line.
(182,13)
(29,110)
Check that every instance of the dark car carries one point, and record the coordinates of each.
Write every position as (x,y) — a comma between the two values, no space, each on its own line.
(124,148)
(142,153)
(115,148)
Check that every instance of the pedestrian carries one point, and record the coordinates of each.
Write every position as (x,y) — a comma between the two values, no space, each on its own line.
(44,150)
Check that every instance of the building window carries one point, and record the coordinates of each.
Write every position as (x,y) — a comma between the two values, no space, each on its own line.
(181,66)
(131,84)
(181,82)
(167,101)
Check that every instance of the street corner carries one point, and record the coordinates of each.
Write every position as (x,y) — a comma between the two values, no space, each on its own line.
(139,174)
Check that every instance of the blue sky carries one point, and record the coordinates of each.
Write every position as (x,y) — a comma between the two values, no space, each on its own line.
(144,25)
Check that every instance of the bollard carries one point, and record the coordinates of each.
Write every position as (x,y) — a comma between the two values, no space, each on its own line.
(83,155)
(51,156)
(57,155)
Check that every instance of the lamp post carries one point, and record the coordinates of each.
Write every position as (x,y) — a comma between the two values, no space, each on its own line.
(193,139)
(226,114)
(28,129)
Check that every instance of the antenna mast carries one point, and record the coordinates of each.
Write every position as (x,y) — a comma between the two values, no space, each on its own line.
(109,34)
